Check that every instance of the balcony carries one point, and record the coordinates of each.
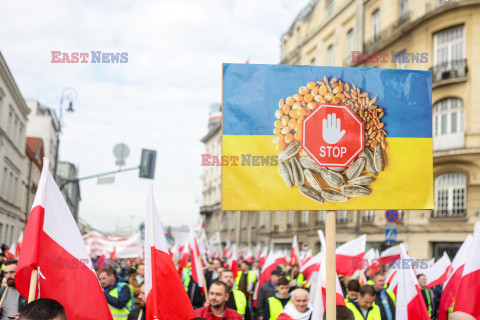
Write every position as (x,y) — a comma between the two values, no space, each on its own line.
(449,70)
(449,214)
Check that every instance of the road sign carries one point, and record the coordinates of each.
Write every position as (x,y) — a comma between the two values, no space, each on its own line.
(391,215)
(333,135)
(391,235)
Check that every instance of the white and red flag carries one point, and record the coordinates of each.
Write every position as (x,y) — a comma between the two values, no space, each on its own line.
(468,296)
(349,256)
(226,249)
(183,260)
(410,303)
(390,276)
(166,296)
(306,256)
(311,267)
(390,255)
(232,262)
(371,261)
(263,256)
(438,273)
(197,270)
(321,285)
(271,263)
(295,254)
(450,288)
(53,245)
(248,255)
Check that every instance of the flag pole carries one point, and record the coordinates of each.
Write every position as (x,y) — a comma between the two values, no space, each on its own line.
(206,289)
(33,285)
(331,266)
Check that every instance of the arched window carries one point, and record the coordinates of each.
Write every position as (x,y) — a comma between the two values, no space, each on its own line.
(448,124)
(450,195)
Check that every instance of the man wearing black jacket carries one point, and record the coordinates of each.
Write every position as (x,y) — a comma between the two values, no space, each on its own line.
(385,299)
(139,313)
(267,290)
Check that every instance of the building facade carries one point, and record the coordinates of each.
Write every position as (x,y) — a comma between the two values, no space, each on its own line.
(403,33)
(70,190)
(34,151)
(13,122)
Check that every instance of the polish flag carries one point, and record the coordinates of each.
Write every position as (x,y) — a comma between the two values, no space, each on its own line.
(294,256)
(226,249)
(410,303)
(233,261)
(113,254)
(390,255)
(271,263)
(19,245)
(166,296)
(307,256)
(11,250)
(248,256)
(363,279)
(258,251)
(373,259)
(391,273)
(321,285)
(349,256)
(197,272)
(53,245)
(263,256)
(183,260)
(450,288)
(468,295)
(431,262)
(438,273)
(310,269)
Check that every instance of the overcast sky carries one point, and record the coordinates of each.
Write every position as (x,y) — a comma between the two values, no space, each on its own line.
(158,100)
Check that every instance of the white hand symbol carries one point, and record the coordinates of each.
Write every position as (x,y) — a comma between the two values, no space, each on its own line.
(331,129)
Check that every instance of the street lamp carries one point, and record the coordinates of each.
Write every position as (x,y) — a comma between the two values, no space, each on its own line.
(68,94)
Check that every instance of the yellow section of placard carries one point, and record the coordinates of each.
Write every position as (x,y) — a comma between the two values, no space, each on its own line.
(250,180)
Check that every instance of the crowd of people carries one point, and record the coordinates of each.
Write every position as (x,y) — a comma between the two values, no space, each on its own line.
(286,295)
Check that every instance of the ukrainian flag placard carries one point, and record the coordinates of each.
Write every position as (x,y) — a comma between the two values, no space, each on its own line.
(268,165)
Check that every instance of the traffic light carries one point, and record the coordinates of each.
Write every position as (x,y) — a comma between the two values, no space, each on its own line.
(147,164)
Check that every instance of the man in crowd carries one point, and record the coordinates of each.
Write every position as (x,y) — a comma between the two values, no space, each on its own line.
(353,290)
(256,268)
(212,273)
(365,308)
(296,278)
(118,294)
(139,313)
(343,313)
(236,299)
(217,310)
(246,279)
(276,304)
(298,308)
(13,302)
(385,299)
(193,290)
(136,280)
(43,309)
(426,294)
(266,291)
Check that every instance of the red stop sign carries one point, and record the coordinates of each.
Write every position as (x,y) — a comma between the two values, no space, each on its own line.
(333,135)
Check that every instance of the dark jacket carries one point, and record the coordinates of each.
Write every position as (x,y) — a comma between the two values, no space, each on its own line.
(195,294)
(231,304)
(123,296)
(22,302)
(266,291)
(229,314)
(136,312)
(378,302)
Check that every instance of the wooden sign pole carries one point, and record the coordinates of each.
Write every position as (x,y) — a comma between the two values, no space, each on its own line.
(331,266)
(33,285)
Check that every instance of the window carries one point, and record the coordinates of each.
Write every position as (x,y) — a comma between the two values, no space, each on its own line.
(225,220)
(376,25)
(449,47)
(5,184)
(450,195)
(330,55)
(304,218)
(403,10)
(263,219)
(244,220)
(330,7)
(342,217)
(321,217)
(350,42)
(299,36)
(369,216)
(276,222)
(448,124)
(312,62)
(284,49)
(291,218)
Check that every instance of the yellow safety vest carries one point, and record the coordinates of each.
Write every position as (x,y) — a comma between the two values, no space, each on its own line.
(450,310)
(392,295)
(120,314)
(429,301)
(370,282)
(251,277)
(240,302)
(275,307)
(373,314)
(300,280)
